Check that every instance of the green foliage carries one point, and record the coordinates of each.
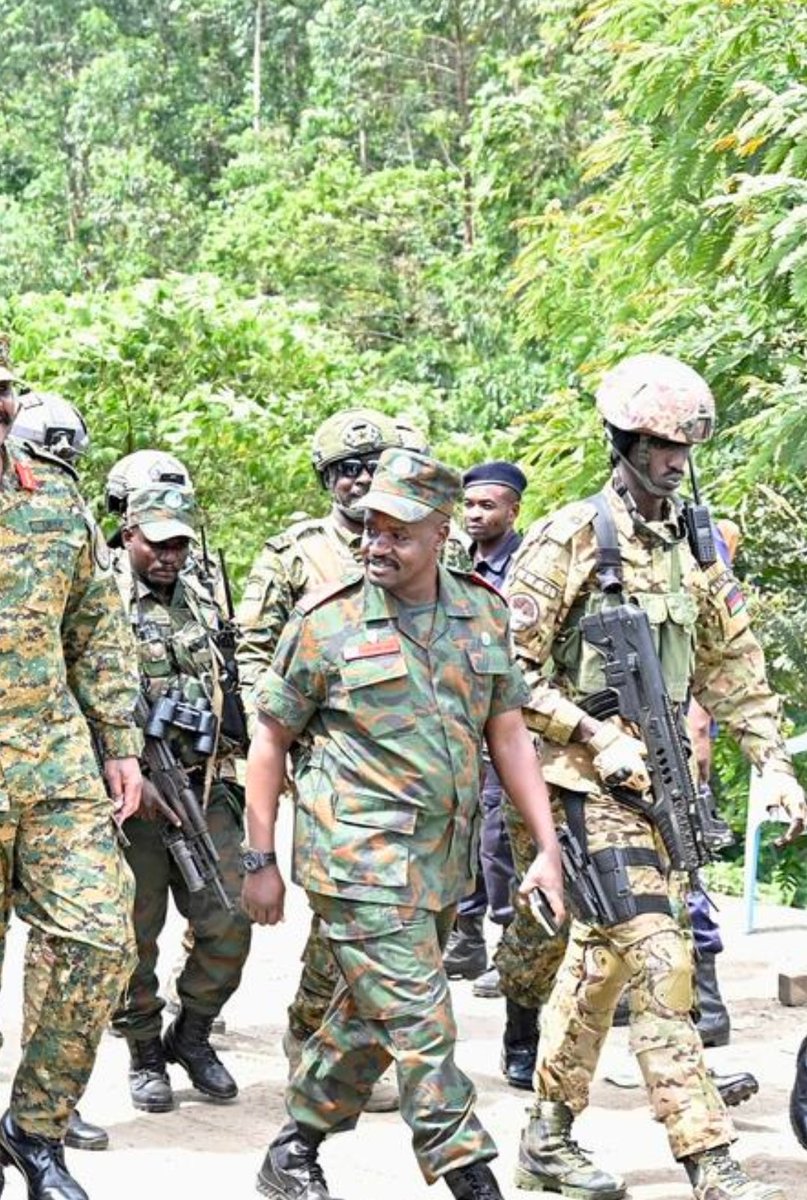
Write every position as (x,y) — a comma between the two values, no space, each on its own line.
(222,220)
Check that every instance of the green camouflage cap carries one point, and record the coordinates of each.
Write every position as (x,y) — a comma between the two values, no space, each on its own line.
(411,486)
(163,513)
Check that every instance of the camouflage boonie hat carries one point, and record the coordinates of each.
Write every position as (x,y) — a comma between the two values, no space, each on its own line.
(411,487)
(6,373)
(657,395)
(163,513)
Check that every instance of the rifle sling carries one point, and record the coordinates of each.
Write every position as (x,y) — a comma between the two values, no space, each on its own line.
(609,560)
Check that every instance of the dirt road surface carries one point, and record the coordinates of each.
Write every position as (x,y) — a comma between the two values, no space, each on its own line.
(212,1152)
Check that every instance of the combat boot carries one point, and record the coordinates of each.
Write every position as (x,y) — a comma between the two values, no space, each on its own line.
(40,1161)
(488,984)
(187,1042)
(474,1182)
(550,1160)
(736,1088)
(713,1022)
(149,1085)
(466,955)
(715,1175)
(520,1045)
(798,1097)
(291,1168)
(81,1135)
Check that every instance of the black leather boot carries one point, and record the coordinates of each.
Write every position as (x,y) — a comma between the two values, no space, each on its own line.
(81,1135)
(798,1097)
(40,1161)
(474,1182)
(466,955)
(149,1085)
(713,1023)
(520,1045)
(735,1088)
(291,1168)
(187,1042)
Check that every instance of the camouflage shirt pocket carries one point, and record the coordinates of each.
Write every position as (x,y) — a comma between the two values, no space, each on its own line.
(368,841)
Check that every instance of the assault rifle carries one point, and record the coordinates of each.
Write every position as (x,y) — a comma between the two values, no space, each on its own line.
(633,674)
(189,844)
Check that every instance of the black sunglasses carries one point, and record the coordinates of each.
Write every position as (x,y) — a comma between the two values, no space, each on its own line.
(352,468)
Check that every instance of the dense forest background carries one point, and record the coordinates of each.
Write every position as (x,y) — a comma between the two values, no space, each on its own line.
(222,220)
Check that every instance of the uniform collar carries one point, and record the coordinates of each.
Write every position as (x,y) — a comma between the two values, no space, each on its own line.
(497,562)
(452,598)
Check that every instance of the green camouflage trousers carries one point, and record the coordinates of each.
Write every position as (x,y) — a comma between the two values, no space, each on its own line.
(318,981)
(71,884)
(526,959)
(392,1002)
(221,939)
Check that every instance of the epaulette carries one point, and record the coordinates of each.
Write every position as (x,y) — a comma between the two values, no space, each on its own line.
(568,521)
(327,591)
(287,537)
(43,455)
(480,581)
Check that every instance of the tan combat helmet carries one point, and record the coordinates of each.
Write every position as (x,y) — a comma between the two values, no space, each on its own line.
(658,396)
(351,432)
(141,471)
(48,420)
(410,437)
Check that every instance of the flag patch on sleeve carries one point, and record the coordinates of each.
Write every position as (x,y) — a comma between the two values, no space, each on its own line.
(735,601)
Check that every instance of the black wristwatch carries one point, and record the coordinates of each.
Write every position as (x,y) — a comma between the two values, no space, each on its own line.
(256,860)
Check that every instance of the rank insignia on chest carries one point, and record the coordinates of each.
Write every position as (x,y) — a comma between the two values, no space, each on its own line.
(27,480)
(388,645)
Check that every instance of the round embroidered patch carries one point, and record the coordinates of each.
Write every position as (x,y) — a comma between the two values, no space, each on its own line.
(524,610)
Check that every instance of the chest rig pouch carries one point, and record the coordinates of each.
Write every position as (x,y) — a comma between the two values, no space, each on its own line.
(672,615)
(176,665)
(598,883)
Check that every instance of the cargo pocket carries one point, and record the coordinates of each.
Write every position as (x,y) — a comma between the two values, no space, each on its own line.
(368,843)
(376,691)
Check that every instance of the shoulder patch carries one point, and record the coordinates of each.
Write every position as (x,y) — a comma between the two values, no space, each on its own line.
(563,525)
(328,591)
(42,455)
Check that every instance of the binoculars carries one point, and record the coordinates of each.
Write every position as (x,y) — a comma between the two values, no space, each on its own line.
(195,717)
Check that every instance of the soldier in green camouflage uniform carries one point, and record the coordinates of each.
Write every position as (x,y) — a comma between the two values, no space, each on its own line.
(386,687)
(177,620)
(310,553)
(68,664)
(655,408)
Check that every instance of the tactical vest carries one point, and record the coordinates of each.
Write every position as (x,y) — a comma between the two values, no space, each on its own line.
(175,647)
(672,614)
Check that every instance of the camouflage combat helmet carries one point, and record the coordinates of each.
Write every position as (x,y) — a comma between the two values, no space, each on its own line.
(350,432)
(410,436)
(48,420)
(658,396)
(143,470)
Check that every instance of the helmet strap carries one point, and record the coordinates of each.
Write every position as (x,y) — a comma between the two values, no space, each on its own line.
(641,471)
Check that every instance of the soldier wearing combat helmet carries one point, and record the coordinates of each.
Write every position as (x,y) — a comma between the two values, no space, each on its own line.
(630,543)
(344,453)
